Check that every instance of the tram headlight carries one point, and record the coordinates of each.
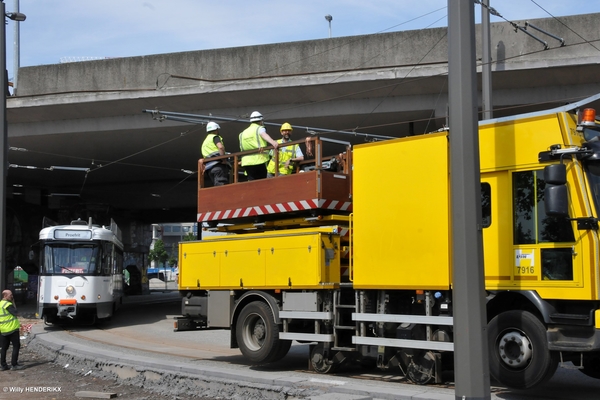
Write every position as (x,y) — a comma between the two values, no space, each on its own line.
(70,290)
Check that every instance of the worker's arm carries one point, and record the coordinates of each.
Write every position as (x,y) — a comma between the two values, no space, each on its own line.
(269,140)
(12,310)
(298,156)
(219,145)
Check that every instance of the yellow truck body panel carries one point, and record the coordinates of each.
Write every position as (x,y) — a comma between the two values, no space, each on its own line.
(287,259)
(401,219)
(402,212)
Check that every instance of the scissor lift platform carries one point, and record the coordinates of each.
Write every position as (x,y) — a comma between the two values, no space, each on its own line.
(305,194)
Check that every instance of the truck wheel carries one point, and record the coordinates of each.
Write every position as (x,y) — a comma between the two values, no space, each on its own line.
(257,334)
(519,355)
(282,350)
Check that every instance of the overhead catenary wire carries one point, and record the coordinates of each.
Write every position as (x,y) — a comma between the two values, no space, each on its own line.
(120,161)
(343,96)
(103,163)
(565,25)
(203,119)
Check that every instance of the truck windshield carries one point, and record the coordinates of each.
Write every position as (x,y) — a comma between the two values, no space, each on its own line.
(593,173)
(70,258)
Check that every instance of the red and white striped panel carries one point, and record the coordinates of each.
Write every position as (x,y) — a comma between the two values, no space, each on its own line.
(275,208)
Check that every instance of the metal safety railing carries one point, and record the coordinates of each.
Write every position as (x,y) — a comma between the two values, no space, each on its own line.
(314,149)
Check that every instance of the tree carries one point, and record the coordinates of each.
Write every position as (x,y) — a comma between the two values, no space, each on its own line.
(189,237)
(158,252)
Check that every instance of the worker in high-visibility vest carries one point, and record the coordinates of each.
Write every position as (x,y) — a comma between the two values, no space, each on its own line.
(256,137)
(217,171)
(9,331)
(288,155)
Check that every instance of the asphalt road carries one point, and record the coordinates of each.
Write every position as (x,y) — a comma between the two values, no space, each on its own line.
(144,328)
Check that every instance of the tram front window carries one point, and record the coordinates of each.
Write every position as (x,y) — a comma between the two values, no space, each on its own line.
(71,259)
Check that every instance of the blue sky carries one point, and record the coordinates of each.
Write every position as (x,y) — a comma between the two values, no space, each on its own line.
(63,29)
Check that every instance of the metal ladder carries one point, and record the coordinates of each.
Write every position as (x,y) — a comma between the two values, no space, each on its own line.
(343,327)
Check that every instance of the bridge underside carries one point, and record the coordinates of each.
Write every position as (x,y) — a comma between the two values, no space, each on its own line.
(89,114)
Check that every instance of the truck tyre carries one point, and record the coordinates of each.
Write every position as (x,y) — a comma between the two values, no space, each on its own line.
(282,350)
(258,335)
(519,355)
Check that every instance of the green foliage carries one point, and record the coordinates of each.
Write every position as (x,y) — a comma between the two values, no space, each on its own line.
(158,252)
(189,237)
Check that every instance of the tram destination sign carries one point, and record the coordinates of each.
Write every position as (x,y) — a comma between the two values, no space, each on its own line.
(71,234)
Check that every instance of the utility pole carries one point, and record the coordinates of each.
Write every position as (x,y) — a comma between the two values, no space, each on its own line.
(471,369)
(17,17)
(3,148)
(486,62)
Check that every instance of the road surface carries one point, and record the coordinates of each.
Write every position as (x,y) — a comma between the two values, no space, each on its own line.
(143,330)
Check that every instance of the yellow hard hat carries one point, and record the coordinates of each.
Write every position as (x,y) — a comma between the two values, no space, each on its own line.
(286,127)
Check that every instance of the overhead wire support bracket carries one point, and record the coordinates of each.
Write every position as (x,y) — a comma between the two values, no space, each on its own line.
(561,40)
(494,12)
(524,30)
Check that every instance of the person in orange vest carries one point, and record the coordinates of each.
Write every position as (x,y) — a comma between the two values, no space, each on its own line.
(288,155)
(9,331)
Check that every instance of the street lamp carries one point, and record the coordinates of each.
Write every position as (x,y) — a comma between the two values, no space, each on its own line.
(4,142)
(329,18)
(16,49)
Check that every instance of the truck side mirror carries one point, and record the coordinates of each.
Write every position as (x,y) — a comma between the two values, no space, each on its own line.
(556,198)
(555,174)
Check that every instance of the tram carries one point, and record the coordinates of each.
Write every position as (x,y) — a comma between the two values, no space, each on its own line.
(81,272)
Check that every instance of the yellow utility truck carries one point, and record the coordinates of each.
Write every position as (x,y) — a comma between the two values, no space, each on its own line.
(357,259)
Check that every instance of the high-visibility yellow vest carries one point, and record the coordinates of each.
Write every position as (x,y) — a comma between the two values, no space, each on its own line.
(209,148)
(250,139)
(285,153)
(8,322)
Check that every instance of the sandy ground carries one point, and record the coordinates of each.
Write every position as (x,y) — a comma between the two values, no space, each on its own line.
(43,379)
(46,377)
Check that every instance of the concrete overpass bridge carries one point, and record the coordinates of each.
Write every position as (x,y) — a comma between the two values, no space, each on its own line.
(88,114)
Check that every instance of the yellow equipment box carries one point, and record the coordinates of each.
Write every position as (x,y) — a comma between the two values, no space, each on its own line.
(286,259)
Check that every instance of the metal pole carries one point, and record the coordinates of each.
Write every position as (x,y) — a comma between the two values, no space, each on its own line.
(3,150)
(486,62)
(471,367)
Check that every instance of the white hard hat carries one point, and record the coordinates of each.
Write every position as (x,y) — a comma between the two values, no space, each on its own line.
(255,116)
(212,126)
